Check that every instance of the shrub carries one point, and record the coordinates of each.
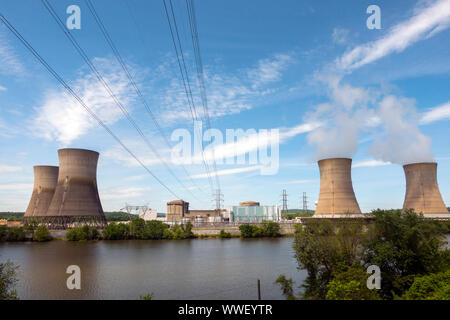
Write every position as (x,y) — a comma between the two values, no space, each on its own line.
(8,279)
(82,233)
(3,233)
(250,231)
(431,287)
(270,229)
(155,230)
(42,234)
(16,234)
(224,235)
(114,231)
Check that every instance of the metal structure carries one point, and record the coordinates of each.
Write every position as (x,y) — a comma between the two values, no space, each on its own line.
(45,180)
(422,190)
(219,200)
(76,199)
(284,202)
(336,195)
(305,202)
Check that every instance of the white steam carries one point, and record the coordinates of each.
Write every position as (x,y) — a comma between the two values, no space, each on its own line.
(352,111)
(343,117)
(400,140)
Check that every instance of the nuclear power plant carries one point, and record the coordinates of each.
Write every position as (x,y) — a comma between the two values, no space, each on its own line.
(422,190)
(45,179)
(73,197)
(336,197)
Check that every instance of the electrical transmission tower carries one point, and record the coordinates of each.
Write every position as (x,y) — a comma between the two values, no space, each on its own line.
(218,198)
(284,202)
(305,202)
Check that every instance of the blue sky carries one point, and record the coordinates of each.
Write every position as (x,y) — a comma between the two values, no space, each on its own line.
(311,69)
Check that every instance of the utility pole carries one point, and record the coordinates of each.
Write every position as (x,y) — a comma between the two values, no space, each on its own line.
(284,201)
(305,202)
(259,289)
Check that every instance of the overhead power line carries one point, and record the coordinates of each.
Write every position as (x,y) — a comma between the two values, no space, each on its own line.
(131,78)
(83,54)
(184,75)
(82,103)
(200,72)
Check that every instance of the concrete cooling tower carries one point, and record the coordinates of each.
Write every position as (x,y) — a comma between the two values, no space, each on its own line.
(336,195)
(76,198)
(45,179)
(422,190)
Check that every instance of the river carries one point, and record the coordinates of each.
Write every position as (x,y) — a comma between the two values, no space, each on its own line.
(185,269)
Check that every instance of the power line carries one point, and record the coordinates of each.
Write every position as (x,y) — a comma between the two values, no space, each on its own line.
(83,104)
(200,72)
(130,77)
(185,77)
(83,54)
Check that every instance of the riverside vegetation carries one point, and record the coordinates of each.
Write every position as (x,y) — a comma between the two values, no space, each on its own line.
(409,249)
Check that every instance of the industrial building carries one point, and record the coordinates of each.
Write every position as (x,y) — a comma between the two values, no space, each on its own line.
(178,212)
(70,199)
(422,190)
(251,211)
(336,197)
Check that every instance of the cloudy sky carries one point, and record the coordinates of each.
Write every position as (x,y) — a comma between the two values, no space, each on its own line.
(311,69)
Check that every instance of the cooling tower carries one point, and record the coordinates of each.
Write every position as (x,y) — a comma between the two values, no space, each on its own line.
(336,195)
(45,179)
(422,191)
(76,196)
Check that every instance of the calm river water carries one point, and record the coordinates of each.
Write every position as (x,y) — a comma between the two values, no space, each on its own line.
(186,269)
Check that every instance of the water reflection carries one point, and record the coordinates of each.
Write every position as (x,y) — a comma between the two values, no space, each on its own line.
(192,269)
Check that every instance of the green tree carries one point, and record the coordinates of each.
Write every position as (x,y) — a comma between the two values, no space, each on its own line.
(3,233)
(16,234)
(430,287)
(155,229)
(42,234)
(286,287)
(137,228)
(224,235)
(350,284)
(270,229)
(113,231)
(82,233)
(8,279)
(250,231)
(404,245)
(322,247)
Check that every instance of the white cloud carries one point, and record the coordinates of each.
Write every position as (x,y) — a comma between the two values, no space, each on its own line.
(370,163)
(17,187)
(62,118)
(269,70)
(426,22)
(228,172)
(340,35)
(9,61)
(123,193)
(300,181)
(441,112)
(2,88)
(227,93)
(9,169)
